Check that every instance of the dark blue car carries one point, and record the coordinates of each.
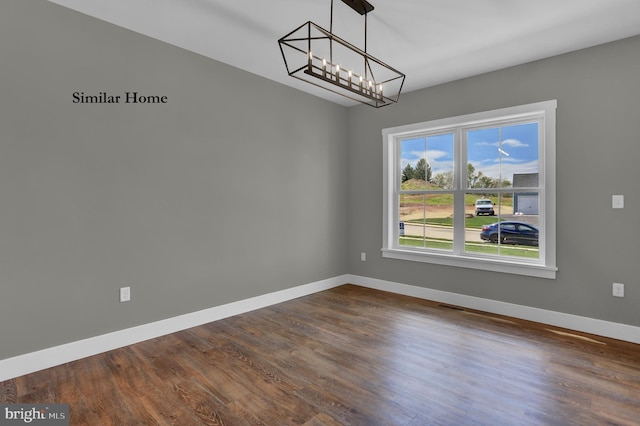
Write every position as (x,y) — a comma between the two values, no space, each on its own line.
(511,233)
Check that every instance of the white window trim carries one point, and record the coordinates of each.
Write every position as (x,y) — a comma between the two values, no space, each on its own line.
(546,266)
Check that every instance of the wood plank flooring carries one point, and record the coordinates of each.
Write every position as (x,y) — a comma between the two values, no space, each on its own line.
(351,356)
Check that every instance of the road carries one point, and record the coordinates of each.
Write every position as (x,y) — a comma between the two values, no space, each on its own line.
(473,235)
(443,232)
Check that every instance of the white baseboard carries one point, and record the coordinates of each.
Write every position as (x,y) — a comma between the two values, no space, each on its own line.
(46,358)
(35,361)
(573,322)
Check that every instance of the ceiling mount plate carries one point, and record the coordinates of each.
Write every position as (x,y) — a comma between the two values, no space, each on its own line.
(361,6)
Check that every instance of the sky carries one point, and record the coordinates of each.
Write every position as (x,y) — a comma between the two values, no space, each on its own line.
(496,151)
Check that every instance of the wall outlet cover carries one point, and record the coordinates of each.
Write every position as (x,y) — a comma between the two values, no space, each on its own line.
(125,294)
(617,201)
(618,290)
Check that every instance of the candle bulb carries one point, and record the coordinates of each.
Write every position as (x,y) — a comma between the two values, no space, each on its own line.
(338,73)
(349,78)
(324,67)
(361,83)
(309,63)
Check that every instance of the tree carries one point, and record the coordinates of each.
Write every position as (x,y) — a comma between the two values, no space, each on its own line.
(480,180)
(484,181)
(443,180)
(471,176)
(423,170)
(408,173)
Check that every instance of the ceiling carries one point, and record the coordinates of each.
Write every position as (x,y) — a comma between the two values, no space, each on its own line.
(431,41)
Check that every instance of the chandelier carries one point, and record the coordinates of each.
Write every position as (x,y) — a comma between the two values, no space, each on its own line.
(319,57)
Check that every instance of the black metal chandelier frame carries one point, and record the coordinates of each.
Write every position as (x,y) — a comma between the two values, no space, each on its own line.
(376,84)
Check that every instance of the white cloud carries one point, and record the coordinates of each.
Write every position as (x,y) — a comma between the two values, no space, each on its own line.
(510,160)
(513,143)
(433,155)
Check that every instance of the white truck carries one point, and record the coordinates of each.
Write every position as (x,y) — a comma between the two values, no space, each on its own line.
(484,206)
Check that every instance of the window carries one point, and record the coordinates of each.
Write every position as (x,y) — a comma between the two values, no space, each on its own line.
(475,191)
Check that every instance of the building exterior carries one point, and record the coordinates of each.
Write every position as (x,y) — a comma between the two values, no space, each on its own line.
(525,203)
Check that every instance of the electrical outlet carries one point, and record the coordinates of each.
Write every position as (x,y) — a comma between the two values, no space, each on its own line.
(363,256)
(618,290)
(125,294)
(617,201)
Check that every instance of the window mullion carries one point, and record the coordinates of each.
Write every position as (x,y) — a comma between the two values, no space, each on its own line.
(459,186)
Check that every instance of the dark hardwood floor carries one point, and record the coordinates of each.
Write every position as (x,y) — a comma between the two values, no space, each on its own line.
(355,356)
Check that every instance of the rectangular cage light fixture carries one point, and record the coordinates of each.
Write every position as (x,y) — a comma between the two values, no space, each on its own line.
(317,56)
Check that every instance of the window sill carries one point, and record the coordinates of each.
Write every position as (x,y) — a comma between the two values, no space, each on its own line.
(494,265)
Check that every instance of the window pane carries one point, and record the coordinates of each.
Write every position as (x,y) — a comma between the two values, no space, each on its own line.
(439,223)
(427,221)
(497,156)
(440,160)
(494,229)
(480,210)
(427,159)
(412,215)
(527,204)
(413,160)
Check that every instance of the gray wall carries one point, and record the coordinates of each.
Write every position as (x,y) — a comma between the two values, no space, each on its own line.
(233,189)
(598,151)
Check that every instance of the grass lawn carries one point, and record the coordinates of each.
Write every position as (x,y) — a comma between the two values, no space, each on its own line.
(432,243)
(444,198)
(487,248)
(471,222)
(505,250)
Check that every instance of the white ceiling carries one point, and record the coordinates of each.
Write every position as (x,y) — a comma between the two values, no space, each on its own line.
(431,41)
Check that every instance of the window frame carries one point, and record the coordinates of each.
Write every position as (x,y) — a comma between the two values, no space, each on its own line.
(545,265)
